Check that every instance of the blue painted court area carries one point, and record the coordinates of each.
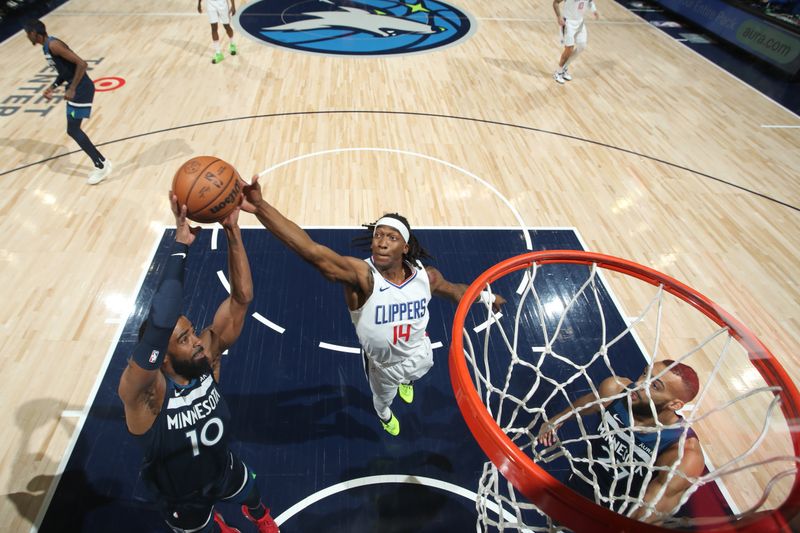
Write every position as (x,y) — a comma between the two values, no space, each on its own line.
(302,415)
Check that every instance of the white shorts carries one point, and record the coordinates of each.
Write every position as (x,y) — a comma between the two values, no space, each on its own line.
(217,11)
(573,32)
(383,380)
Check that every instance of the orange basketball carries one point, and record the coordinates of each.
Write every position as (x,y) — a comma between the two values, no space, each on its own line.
(208,186)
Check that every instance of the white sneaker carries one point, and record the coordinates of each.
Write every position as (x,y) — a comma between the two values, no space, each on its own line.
(559,77)
(565,75)
(99,174)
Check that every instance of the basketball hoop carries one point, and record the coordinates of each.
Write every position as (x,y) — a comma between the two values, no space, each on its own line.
(505,421)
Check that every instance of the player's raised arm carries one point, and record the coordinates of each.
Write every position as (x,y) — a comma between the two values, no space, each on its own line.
(608,387)
(136,386)
(687,467)
(334,267)
(230,315)
(455,291)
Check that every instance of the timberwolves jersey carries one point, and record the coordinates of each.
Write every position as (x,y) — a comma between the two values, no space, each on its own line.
(186,449)
(620,444)
(64,68)
(391,323)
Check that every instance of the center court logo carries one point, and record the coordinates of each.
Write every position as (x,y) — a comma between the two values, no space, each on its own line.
(356,27)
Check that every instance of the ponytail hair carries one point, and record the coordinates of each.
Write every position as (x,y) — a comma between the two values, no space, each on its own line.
(415,250)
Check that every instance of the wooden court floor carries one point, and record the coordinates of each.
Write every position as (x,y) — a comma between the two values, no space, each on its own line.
(651,153)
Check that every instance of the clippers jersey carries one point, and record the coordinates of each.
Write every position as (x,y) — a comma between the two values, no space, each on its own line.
(646,447)
(574,9)
(391,323)
(186,449)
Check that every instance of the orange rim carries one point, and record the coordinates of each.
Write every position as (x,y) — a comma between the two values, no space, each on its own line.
(553,497)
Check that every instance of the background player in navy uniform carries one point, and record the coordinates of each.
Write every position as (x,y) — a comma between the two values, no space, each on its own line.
(172,403)
(669,391)
(79,92)
(387,295)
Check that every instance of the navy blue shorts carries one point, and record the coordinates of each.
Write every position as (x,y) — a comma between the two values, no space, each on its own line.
(80,106)
(195,515)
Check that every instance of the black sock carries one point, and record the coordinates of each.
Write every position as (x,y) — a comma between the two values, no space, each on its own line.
(257,512)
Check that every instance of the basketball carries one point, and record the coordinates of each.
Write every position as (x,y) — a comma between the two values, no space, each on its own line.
(208,186)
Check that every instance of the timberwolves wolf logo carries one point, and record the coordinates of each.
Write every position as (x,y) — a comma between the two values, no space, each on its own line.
(355,27)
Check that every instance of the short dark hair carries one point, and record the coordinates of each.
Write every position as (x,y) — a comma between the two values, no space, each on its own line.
(34,25)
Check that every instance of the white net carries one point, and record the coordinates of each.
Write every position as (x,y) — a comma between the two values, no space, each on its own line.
(571,329)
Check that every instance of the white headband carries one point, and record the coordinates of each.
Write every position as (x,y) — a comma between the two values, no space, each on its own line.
(395,224)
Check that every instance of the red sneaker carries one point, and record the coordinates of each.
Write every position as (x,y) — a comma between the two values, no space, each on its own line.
(225,528)
(265,524)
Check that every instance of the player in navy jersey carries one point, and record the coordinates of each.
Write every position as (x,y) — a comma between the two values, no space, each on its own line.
(79,92)
(387,295)
(635,441)
(172,403)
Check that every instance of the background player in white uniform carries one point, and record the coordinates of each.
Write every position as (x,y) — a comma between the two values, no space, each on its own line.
(573,32)
(218,11)
(387,296)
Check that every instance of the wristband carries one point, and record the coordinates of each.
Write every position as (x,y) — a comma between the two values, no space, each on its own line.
(487,298)
(164,312)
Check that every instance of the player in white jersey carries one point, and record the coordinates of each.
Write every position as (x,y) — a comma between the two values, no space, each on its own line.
(387,295)
(573,32)
(218,11)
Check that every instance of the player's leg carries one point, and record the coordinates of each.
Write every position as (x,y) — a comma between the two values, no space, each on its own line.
(102,166)
(569,30)
(239,486)
(580,46)
(231,45)
(414,368)
(79,108)
(383,383)
(215,39)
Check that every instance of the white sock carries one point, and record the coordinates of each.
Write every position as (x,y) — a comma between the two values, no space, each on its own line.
(216,47)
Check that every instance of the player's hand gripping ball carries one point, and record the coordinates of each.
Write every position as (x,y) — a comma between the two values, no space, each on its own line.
(208,186)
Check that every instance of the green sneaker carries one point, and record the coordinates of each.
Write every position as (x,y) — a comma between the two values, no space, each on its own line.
(392,427)
(406,392)
(233,49)
(218,57)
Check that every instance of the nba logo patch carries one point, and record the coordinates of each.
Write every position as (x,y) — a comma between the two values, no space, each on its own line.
(355,27)
(153,356)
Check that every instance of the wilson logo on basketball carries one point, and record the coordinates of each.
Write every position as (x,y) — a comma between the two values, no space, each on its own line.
(355,27)
(232,197)
(208,187)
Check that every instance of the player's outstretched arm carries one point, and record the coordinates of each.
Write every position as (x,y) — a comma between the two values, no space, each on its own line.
(230,316)
(455,291)
(141,380)
(335,267)
(689,466)
(608,387)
